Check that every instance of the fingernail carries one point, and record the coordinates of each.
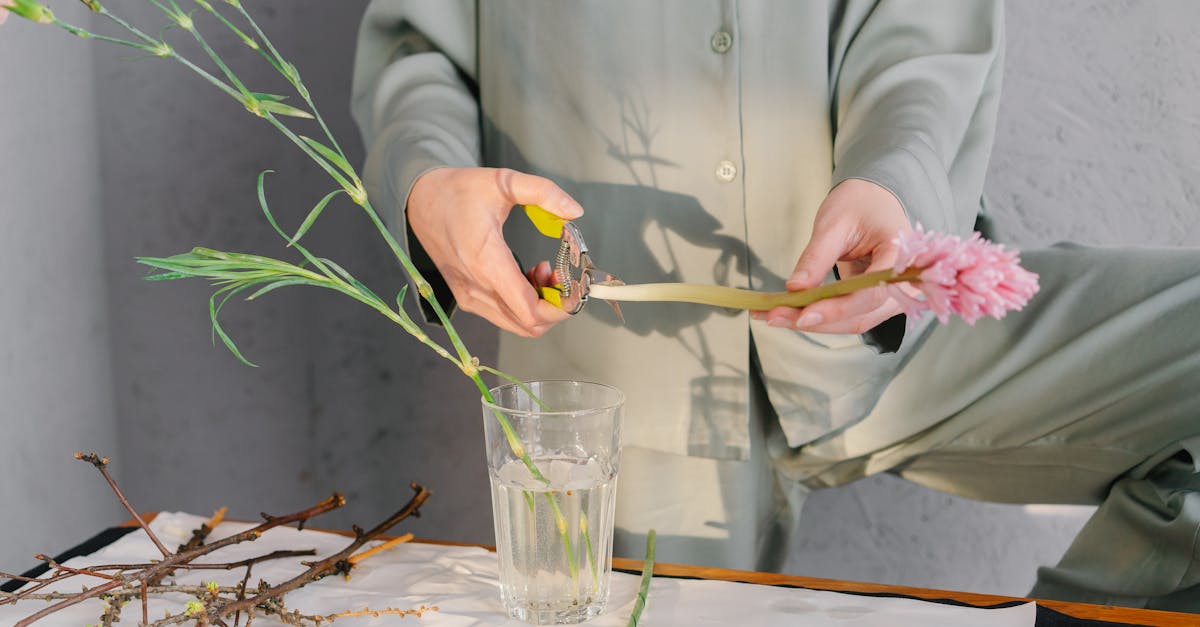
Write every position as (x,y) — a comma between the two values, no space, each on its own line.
(778,322)
(808,320)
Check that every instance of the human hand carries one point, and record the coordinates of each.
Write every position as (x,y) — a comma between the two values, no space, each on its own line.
(854,229)
(458,213)
(4,11)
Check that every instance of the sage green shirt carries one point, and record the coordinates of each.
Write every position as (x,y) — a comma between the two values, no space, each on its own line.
(700,137)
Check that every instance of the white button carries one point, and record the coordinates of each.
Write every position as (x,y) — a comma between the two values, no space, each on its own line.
(726,171)
(721,42)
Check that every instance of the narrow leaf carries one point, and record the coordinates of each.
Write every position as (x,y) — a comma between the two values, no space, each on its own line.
(262,201)
(167,276)
(639,603)
(351,280)
(268,97)
(333,157)
(282,283)
(282,109)
(212,314)
(312,216)
(400,298)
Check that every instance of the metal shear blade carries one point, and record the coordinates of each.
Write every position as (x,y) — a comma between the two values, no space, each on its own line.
(576,273)
(573,267)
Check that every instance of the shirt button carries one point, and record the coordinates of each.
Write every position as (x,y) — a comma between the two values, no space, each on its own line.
(726,171)
(721,42)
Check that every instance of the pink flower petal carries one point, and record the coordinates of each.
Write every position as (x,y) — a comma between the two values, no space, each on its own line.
(970,278)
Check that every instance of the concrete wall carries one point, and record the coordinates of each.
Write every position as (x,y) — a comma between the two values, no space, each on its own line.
(1097,143)
(56,392)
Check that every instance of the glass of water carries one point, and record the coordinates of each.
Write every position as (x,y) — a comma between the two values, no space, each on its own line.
(553,508)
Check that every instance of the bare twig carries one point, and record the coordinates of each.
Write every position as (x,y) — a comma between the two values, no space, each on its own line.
(75,571)
(176,588)
(333,564)
(173,561)
(101,464)
(4,575)
(201,533)
(398,540)
(143,579)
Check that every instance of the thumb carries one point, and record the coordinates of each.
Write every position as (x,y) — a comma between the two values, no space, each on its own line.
(526,189)
(824,249)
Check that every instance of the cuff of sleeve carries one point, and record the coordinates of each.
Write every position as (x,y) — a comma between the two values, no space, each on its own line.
(912,173)
(389,176)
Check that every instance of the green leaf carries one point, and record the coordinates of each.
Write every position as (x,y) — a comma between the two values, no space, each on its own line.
(262,201)
(639,603)
(206,253)
(333,157)
(268,97)
(400,298)
(212,314)
(282,283)
(366,291)
(167,276)
(279,108)
(312,216)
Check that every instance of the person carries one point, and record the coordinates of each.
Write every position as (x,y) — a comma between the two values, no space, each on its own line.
(772,145)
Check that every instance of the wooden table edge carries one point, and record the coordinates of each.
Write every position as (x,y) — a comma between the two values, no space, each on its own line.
(1088,611)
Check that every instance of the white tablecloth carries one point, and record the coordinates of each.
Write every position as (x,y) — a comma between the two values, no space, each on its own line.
(461,582)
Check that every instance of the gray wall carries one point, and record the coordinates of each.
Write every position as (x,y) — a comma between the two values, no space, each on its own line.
(55,387)
(1097,143)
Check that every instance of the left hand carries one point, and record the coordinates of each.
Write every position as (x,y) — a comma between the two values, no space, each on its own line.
(853,230)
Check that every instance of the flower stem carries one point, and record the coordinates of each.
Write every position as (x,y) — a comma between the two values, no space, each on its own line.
(644,590)
(735,298)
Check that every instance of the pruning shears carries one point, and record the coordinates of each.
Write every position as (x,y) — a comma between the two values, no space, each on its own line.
(573,269)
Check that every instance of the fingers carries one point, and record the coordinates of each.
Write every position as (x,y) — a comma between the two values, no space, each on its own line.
(526,189)
(824,249)
(506,298)
(458,214)
(542,275)
(853,314)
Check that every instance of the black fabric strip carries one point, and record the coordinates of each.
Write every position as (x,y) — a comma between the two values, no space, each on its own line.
(93,544)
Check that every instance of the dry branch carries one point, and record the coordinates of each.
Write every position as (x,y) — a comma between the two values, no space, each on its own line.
(212,604)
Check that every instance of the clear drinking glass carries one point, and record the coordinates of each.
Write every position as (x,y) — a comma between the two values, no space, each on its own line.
(554,523)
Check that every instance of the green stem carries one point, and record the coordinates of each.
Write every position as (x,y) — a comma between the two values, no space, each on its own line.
(156,44)
(735,298)
(293,77)
(591,553)
(465,361)
(129,27)
(561,522)
(354,190)
(212,54)
(246,39)
(519,383)
(644,589)
(85,34)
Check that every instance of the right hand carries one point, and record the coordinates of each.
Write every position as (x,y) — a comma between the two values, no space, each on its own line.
(458,215)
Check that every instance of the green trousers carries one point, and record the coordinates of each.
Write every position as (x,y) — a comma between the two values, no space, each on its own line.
(1091,395)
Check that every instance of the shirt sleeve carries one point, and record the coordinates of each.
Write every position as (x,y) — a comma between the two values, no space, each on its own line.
(415,101)
(916,85)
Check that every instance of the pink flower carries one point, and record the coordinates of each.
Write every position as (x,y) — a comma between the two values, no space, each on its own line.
(971,278)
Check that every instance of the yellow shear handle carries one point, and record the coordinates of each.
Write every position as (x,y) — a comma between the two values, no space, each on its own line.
(549,225)
(552,295)
(545,222)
